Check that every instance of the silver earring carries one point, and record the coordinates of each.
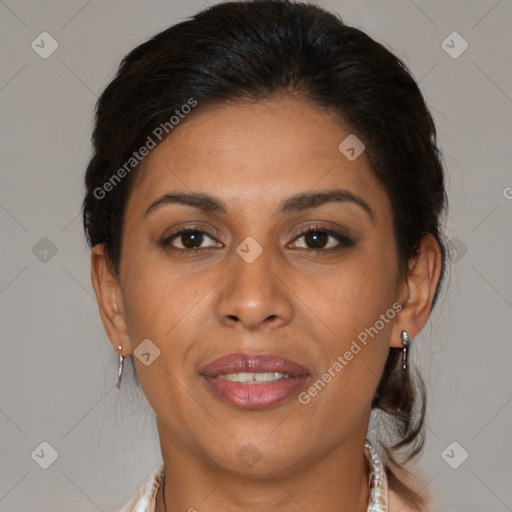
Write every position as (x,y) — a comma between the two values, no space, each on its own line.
(120,369)
(405,349)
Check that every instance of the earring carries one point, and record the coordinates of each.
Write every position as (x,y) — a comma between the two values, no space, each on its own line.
(120,369)
(405,349)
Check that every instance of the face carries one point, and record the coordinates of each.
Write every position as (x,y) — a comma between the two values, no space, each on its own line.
(270,265)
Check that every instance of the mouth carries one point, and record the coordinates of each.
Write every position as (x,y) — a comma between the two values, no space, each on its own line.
(254,382)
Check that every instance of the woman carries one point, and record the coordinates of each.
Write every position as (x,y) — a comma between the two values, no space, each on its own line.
(263,205)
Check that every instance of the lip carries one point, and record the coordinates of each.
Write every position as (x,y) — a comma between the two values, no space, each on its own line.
(258,363)
(254,396)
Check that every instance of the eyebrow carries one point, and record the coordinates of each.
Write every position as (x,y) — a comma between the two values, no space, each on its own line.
(295,203)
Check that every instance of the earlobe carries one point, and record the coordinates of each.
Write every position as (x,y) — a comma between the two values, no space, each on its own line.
(106,288)
(418,290)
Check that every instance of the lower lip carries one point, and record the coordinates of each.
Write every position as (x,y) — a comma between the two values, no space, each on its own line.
(255,396)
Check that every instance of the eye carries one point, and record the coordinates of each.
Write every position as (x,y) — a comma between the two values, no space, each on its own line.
(317,239)
(190,239)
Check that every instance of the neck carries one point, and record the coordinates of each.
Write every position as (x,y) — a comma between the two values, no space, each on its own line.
(337,481)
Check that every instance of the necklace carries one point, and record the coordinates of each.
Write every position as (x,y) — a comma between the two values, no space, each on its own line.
(163,492)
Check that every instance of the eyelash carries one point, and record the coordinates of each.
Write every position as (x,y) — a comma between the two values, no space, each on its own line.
(344,241)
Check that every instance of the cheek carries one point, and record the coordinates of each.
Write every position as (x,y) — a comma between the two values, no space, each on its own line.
(359,293)
(169,308)
(360,314)
(156,308)
(151,290)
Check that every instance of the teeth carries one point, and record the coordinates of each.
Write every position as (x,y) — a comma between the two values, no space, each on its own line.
(253,378)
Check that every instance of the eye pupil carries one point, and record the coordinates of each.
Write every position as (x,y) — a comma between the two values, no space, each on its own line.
(314,237)
(194,237)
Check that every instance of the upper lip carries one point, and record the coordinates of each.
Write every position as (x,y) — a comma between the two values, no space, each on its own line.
(260,363)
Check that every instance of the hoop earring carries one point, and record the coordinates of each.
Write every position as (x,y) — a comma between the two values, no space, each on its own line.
(120,368)
(405,349)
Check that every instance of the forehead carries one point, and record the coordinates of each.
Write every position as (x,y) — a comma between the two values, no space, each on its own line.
(254,154)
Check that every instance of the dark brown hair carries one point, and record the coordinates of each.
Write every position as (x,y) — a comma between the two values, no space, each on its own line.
(252,50)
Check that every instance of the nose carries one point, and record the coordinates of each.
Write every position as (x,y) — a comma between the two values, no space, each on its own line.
(254,296)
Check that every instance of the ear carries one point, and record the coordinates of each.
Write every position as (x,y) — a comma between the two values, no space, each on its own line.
(108,294)
(416,293)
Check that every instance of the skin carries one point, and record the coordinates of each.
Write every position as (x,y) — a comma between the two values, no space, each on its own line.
(292,301)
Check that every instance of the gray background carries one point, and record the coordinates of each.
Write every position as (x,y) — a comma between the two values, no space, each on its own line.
(57,368)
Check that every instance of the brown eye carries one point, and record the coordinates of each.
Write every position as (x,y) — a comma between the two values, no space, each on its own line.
(318,239)
(190,239)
